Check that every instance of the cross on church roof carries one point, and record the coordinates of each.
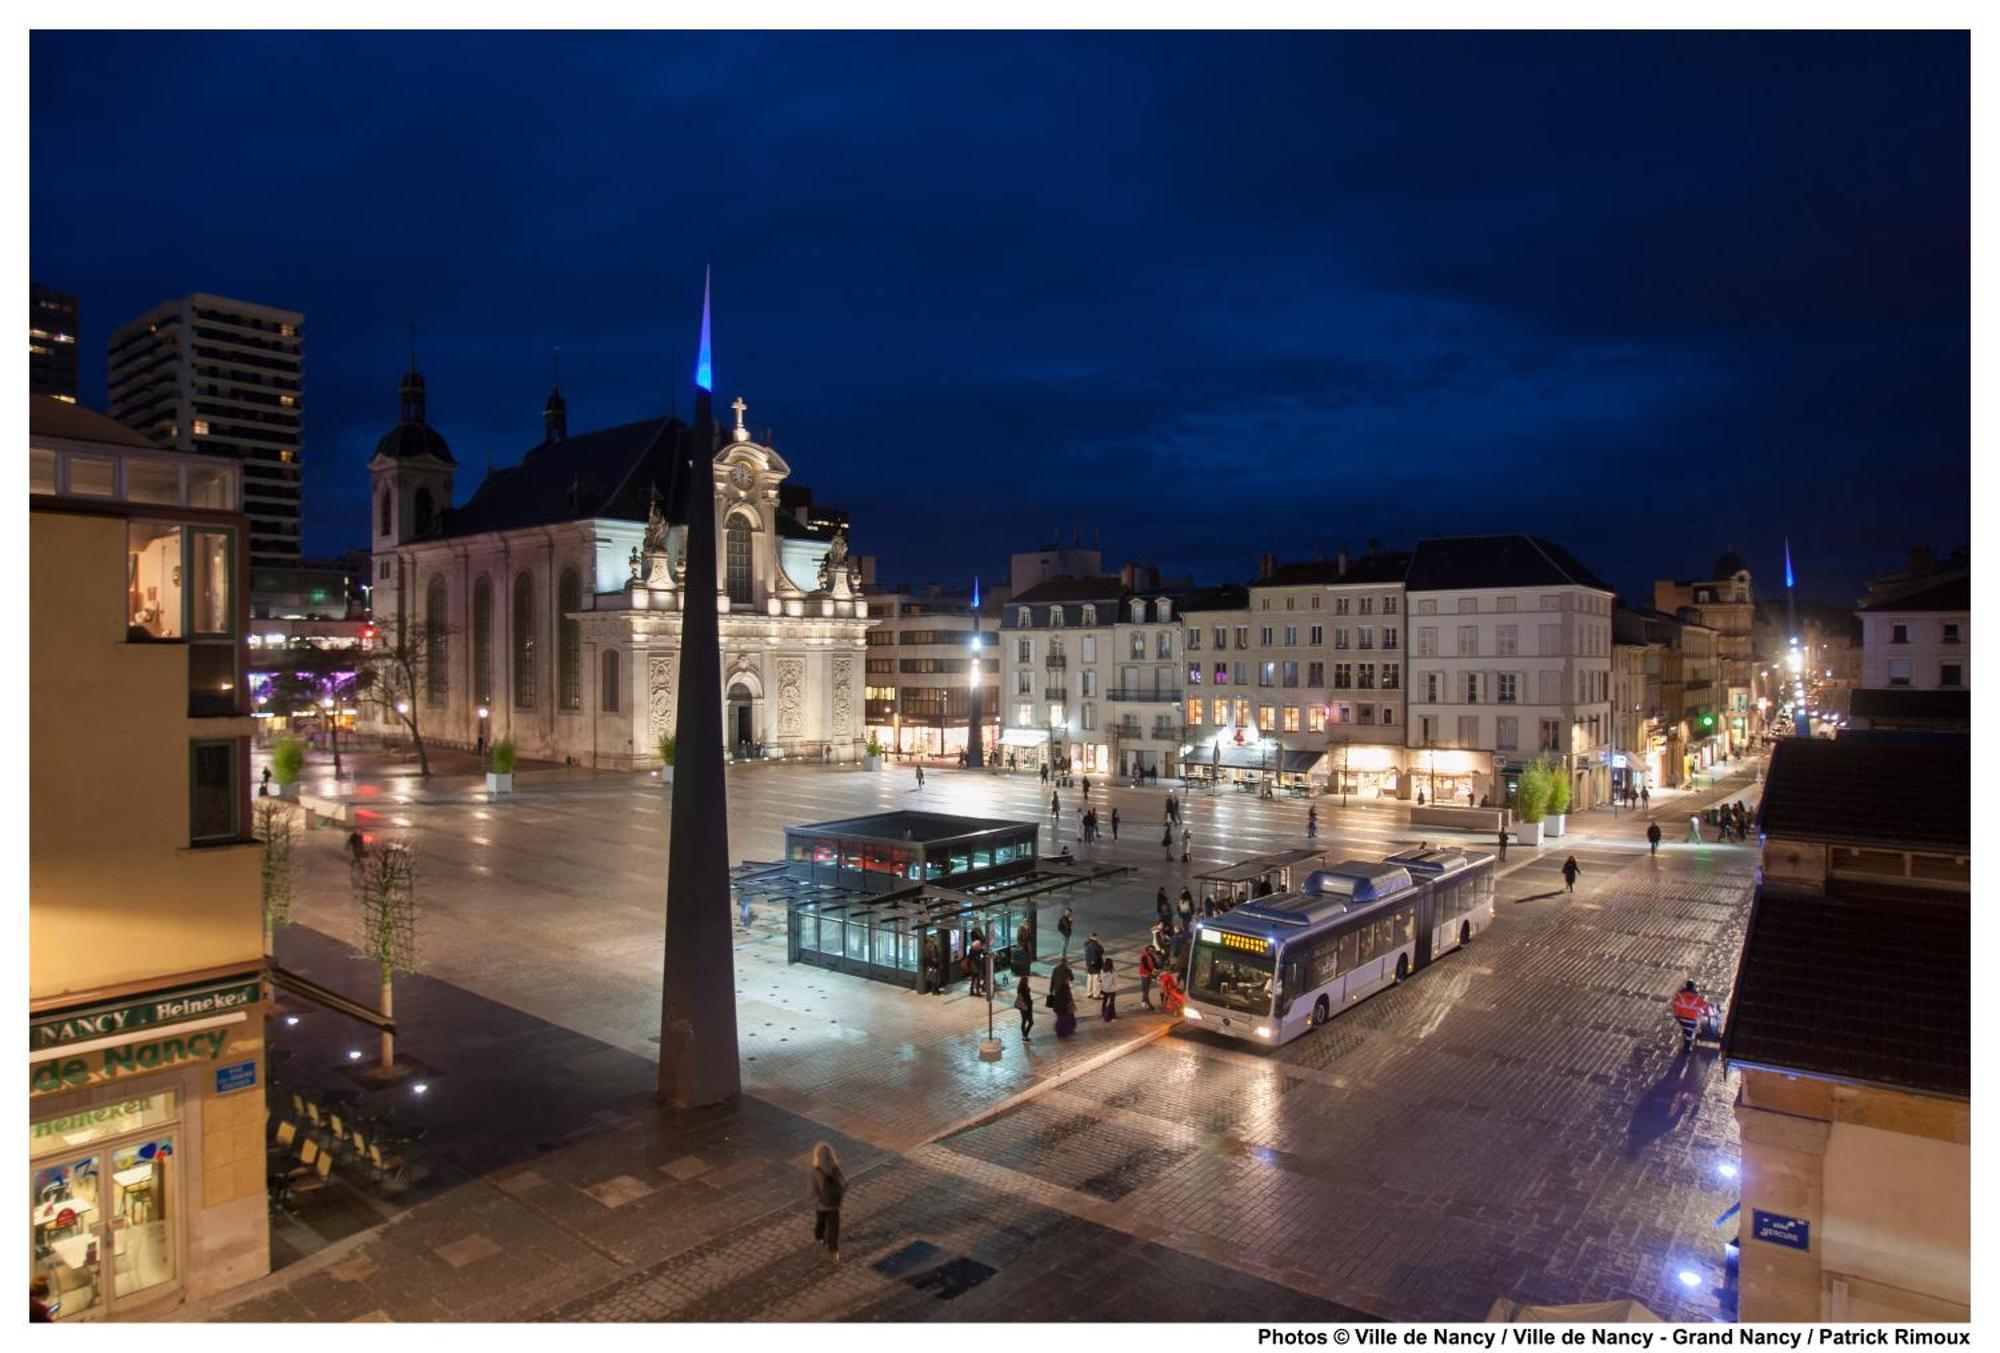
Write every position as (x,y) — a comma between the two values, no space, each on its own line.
(742,433)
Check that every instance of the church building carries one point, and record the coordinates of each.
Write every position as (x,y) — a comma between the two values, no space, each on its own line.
(547,608)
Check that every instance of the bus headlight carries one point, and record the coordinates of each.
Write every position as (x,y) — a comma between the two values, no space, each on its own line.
(1263,1031)
(1191,1012)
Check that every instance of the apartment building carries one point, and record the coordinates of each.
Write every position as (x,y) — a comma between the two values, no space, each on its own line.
(145,924)
(52,333)
(1920,640)
(919,670)
(1089,676)
(223,378)
(1510,658)
(1724,602)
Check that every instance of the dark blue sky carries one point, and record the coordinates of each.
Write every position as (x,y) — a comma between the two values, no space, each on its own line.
(1653,296)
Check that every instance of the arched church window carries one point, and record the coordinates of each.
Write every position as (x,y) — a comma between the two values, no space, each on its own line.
(736,561)
(482,641)
(524,642)
(436,663)
(608,698)
(426,510)
(388,512)
(569,641)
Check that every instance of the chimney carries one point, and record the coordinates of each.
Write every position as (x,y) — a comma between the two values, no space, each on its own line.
(1267,566)
(1343,563)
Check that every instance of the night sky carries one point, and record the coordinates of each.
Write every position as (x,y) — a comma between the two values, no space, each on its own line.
(1652,296)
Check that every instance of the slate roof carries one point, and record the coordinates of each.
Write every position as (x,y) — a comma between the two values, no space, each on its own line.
(1952,594)
(614,470)
(1913,794)
(1896,706)
(52,417)
(1228,597)
(1388,567)
(1445,564)
(1801,999)
(1071,589)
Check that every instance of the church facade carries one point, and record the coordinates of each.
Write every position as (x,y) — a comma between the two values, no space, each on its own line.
(547,609)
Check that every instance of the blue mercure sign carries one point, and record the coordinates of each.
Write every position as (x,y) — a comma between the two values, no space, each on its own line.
(1774,1228)
(241,1076)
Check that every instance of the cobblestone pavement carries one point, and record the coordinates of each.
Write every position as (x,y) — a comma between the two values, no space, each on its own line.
(1513,1121)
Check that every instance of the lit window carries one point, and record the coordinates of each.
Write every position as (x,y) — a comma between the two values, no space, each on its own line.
(201,427)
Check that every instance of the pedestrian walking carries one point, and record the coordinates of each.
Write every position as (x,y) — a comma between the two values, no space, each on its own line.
(1024,1001)
(1503,843)
(1086,786)
(1066,924)
(1177,955)
(356,846)
(1653,836)
(1062,999)
(1055,806)
(933,966)
(1312,822)
(975,965)
(1160,907)
(1114,824)
(829,1188)
(1187,906)
(1093,965)
(1107,989)
(920,775)
(1187,840)
(1023,955)
(1570,871)
(1167,839)
(1646,796)
(1149,964)
(1694,829)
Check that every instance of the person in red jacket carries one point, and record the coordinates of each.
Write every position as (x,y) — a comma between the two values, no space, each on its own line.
(1693,1013)
(1149,964)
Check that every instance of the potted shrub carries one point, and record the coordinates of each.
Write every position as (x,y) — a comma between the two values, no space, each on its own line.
(667,759)
(500,778)
(1559,796)
(873,758)
(1531,804)
(288,763)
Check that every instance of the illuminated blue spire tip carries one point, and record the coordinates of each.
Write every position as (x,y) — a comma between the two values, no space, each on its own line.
(704,372)
(1788,561)
(975,591)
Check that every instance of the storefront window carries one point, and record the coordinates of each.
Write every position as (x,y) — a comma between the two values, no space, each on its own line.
(41,470)
(152,482)
(212,488)
(68,1131)
(90,1203)
(91,477)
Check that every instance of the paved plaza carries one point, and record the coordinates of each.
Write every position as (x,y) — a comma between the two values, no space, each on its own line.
(1514,1121)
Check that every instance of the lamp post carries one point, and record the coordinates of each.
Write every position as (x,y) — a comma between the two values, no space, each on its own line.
(332,731)
(483,713)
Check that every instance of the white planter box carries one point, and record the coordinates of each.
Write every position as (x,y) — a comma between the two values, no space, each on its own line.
(499,784)
(667,776)
(280,791)
(1555,823)
(1529,833)
(871,763)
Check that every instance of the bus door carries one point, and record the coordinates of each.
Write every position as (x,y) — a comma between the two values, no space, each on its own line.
(1426,922)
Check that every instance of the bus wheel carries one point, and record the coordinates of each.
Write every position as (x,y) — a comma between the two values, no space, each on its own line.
(1319,1014)
(1402,966)
(1464,933)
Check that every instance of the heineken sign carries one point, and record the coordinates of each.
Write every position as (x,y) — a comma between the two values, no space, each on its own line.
(51,1034)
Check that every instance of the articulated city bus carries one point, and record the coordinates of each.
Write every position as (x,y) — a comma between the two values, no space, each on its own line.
(1273,968)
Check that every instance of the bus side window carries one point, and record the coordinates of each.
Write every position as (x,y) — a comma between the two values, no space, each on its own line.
(1347,948)
(1405,922)
(1365,935)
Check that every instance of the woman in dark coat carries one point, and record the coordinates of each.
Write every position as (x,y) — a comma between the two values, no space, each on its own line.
(1024,1001)
(829,1187)
(1570,872)
(1061,1000)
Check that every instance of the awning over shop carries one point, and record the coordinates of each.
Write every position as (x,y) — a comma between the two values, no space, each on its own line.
(1024,737)
(1302,763)
(1258,758)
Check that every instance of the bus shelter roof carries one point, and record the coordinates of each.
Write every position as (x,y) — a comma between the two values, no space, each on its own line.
(1244,871)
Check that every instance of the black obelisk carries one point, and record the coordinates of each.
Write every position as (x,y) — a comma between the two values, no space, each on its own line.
(975,742)
(698,1058)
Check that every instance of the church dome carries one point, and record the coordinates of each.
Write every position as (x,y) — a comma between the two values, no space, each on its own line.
(406,441)
(1729,565)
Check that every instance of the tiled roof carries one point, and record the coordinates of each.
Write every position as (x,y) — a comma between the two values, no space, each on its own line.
(1860,986)
(1448,563)
(52,417)
(1915,795)
(1227,597)
(1952,594)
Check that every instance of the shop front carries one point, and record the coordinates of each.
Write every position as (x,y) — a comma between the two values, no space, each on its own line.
(1450,777)
(1362,771)
(145,1148)
(1024,748)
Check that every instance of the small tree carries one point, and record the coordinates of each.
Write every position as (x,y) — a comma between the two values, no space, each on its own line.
(395,678)
(279,874)
(386,906)
(666,749)
(874,745)
(505,754)
(1531,796)
(312,687)
(288,760)
(1559,790)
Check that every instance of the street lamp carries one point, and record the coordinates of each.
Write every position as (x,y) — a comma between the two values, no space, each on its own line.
(482,711)
(332,731)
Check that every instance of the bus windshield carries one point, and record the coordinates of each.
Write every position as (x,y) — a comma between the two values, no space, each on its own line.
(1232,978)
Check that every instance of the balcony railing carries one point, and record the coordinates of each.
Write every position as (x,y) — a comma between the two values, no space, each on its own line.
(1153,697)
(1056,660)
(1055,693)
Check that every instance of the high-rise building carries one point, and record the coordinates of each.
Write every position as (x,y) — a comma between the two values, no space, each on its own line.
(145,915)
(223,378)
(51,343)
